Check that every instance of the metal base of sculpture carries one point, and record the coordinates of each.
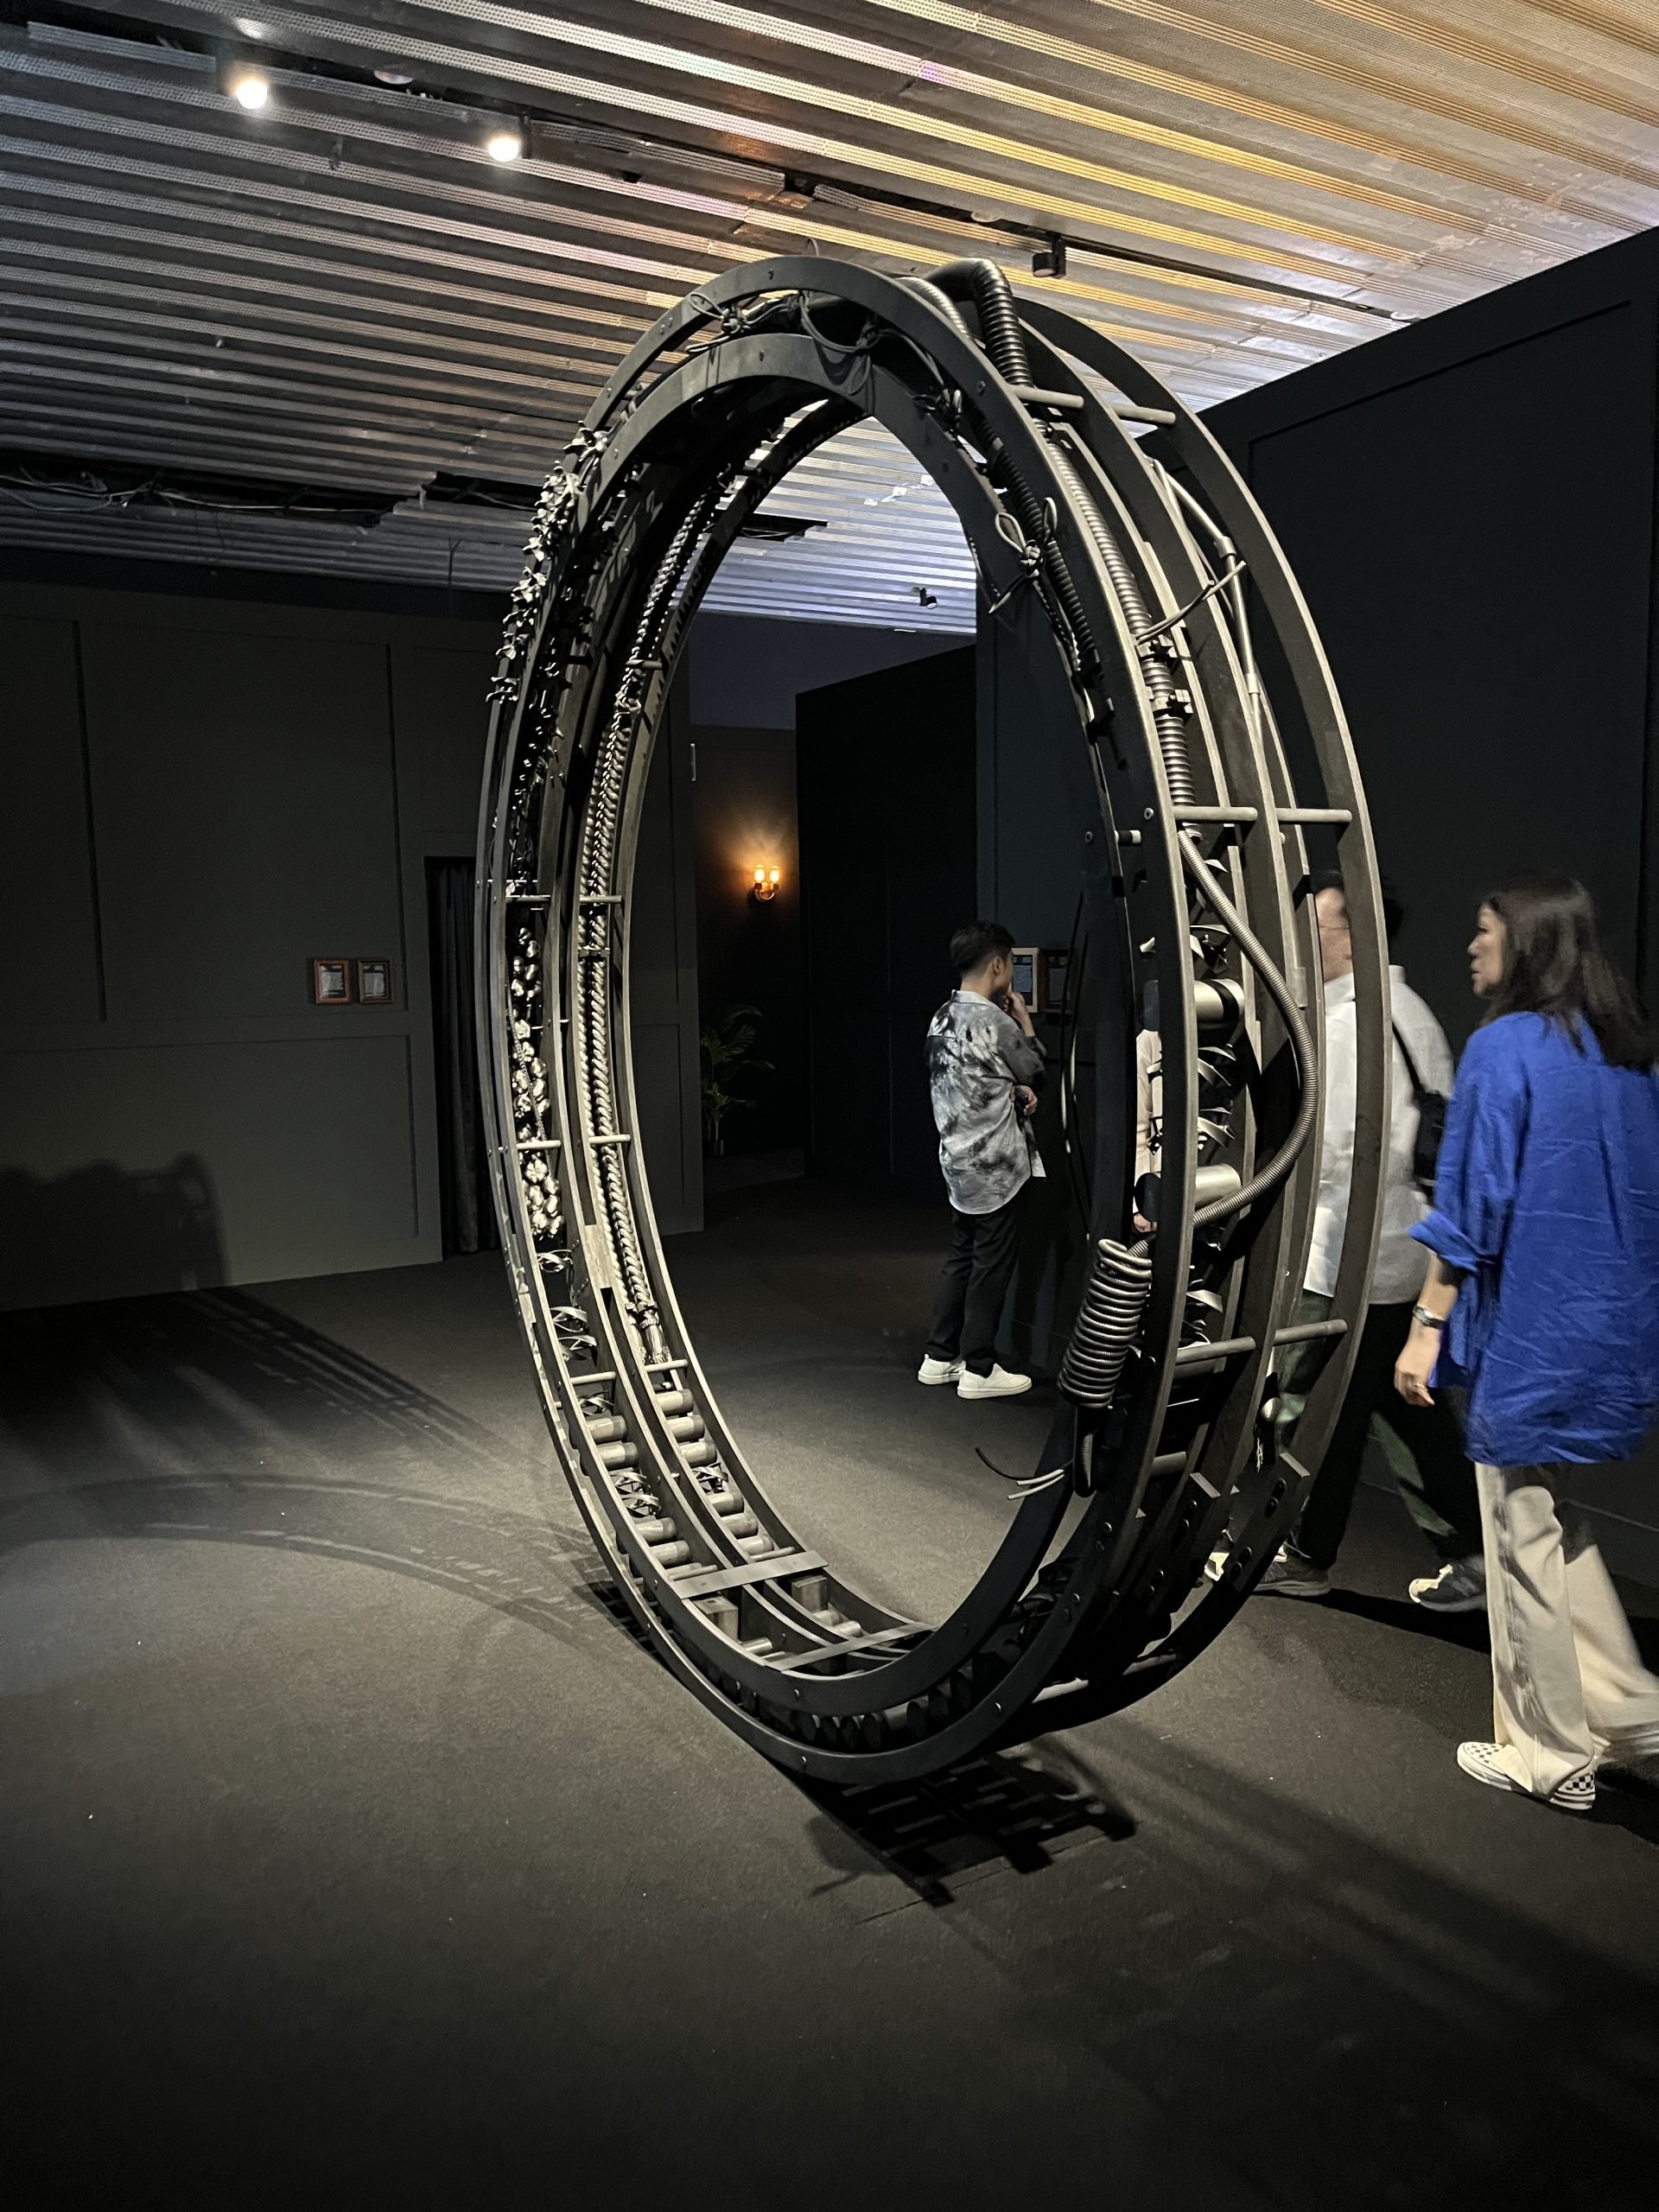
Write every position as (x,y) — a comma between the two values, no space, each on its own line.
(1150,562)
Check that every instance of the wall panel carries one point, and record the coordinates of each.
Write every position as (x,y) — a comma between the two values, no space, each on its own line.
(48,923)
(441,706)
(244,811)
(266,783)
(1474,545)
(885,768)
(152,1168)
(1470,505)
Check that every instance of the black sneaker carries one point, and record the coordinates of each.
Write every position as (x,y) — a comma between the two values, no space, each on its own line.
(1460,1587)
(1290,1575)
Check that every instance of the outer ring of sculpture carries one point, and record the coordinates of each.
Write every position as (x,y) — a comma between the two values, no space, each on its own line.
(672,456)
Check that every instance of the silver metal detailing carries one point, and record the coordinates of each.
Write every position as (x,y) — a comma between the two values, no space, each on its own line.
(1135,553)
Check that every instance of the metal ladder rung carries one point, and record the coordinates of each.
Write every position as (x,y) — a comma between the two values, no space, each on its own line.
(703,1582)
(1336,816)
(1300,1332)
(618,1136)
(1031,396)
(1162,415)
(798,1660)
(608,1374)
(1207,1355)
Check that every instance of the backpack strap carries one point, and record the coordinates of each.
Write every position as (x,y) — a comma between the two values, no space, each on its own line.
(1420,1089)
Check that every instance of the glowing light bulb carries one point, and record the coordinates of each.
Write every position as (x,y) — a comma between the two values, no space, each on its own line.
(250,91)
(506,145)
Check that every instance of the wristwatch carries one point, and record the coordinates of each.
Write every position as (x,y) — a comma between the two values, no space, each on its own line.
(1429,1320)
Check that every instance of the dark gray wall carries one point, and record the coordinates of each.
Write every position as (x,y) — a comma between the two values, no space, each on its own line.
(749,951)
(1470,507)
(747,671)
(745,674)
(1044,872)
(197,796)
(887,780)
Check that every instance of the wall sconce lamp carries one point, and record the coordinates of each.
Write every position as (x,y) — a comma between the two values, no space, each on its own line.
(764,887)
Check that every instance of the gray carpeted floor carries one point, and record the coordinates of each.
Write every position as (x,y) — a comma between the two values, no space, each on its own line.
(354,1852)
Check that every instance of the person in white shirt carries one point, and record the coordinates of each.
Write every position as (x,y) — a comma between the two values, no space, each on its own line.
(1422,1443)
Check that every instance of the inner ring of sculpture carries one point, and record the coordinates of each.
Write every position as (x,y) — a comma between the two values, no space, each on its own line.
(1140,555)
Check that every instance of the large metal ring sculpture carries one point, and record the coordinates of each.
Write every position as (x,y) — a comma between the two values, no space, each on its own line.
(1166,1435)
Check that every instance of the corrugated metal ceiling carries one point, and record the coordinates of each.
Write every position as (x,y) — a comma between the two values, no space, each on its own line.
(343,296)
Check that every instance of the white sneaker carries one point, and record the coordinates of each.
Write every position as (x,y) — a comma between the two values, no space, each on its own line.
(939,1370)
(999,1384)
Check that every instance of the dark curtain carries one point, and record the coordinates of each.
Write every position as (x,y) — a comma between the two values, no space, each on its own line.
(468,1210)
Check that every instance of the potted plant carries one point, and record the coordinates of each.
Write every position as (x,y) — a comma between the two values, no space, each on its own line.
(728,1062)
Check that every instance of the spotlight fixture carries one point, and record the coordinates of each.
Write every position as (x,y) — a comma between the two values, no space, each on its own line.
(250,89)
(506,143)
(927,598)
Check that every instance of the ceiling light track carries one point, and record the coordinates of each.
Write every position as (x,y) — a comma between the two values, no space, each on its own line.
(514,133)
(104,483)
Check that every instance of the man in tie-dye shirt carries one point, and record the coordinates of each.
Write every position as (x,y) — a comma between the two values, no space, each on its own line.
(982,1059)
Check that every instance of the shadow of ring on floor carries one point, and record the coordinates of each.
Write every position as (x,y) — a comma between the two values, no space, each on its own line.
(1011,1811)
(510,1561)
(999,1810)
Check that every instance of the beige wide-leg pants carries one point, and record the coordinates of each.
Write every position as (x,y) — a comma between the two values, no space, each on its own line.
(1568,1685)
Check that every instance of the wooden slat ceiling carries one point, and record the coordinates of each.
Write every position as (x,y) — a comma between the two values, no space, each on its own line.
(343,296)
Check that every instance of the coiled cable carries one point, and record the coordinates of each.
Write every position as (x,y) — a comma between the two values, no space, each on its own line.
(1005,341)
(1109,1322)
(1168,718)
(1269,1177)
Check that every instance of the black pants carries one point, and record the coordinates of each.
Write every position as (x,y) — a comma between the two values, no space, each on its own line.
(1429,1433)
(972,1285)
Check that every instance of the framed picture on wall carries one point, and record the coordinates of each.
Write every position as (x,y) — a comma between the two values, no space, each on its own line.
(331,983)
(374,983)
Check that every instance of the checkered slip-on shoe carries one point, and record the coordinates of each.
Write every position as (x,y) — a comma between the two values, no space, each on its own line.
(1577,1795)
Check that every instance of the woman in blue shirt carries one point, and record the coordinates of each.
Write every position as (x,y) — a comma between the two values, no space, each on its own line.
(1542,1299)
